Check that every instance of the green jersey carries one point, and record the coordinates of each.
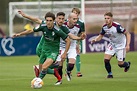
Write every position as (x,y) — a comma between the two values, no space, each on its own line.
(50,48)
(65,29)
(81,24)
(40,44)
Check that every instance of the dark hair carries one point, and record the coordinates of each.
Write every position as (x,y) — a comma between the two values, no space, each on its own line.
(76,9)
(49,14)
(60,13)
(108,14)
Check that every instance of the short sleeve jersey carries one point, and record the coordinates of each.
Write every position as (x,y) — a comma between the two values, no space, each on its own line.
(75,30)
(51,37)
(115,34)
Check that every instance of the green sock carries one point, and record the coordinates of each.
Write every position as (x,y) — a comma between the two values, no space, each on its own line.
(50,71)
(42,74)
(78,63)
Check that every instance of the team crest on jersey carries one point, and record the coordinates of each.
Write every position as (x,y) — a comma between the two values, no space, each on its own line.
(121,28)
(45,32)
(53,33)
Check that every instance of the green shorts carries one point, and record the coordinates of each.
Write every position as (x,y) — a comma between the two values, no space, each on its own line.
(44,56)
(39,50)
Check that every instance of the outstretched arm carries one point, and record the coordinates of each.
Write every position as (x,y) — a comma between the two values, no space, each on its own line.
(98,38)
(22,33)
(34,19)
(74,37)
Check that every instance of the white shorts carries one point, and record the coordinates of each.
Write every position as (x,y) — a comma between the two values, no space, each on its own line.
(70,54)
(120,53)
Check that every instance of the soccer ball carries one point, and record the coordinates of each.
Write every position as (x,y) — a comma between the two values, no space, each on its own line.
(37,83)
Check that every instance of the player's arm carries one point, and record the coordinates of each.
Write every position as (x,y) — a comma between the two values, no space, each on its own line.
(98,38)
(67,40)
(22,33)
(128,38)
(34,19)
(72,36)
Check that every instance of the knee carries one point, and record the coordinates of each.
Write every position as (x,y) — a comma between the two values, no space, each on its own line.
(106,60)
(120,64)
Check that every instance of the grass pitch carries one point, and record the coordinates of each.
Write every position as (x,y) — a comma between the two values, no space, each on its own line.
(16,73)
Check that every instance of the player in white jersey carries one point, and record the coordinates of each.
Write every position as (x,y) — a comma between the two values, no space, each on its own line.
(74,28)
(119,43)
(79,43)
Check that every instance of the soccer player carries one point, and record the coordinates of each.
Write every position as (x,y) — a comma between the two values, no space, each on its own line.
(79,43)
(74,29)
(60,17)
(119,43)
(50,48)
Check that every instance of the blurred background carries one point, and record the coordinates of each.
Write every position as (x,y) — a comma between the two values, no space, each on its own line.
(125,12)
(92,13)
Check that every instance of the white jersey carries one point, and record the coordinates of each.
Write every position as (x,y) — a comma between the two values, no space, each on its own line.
(115,34)
(72,50)
(75,30)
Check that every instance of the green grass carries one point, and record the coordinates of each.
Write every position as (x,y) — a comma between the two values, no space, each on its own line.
(16,74)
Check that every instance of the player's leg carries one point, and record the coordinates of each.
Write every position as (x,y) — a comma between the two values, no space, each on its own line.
(78,65)
(54,70)
(60,68)
(110,51)
(78,61)
(60,62)
(121,57)
(72,58)
(38,68)
(45,66)
(107,59)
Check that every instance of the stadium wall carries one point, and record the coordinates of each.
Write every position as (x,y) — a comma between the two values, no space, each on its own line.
(27,45)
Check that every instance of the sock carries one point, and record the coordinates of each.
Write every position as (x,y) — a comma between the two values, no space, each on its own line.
(42,74)
(50,71)
(67,60)
(56,74)
(125,64)
(108,66)
(78,63)
(70,67)
(60,70)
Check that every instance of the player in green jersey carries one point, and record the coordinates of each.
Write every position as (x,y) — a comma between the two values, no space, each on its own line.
(52,35)
(60,17)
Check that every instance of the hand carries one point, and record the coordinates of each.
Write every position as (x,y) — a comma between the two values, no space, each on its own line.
(127,48)
(20,12)
(93,40)
(15,35)
(63,56)
(83,36)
